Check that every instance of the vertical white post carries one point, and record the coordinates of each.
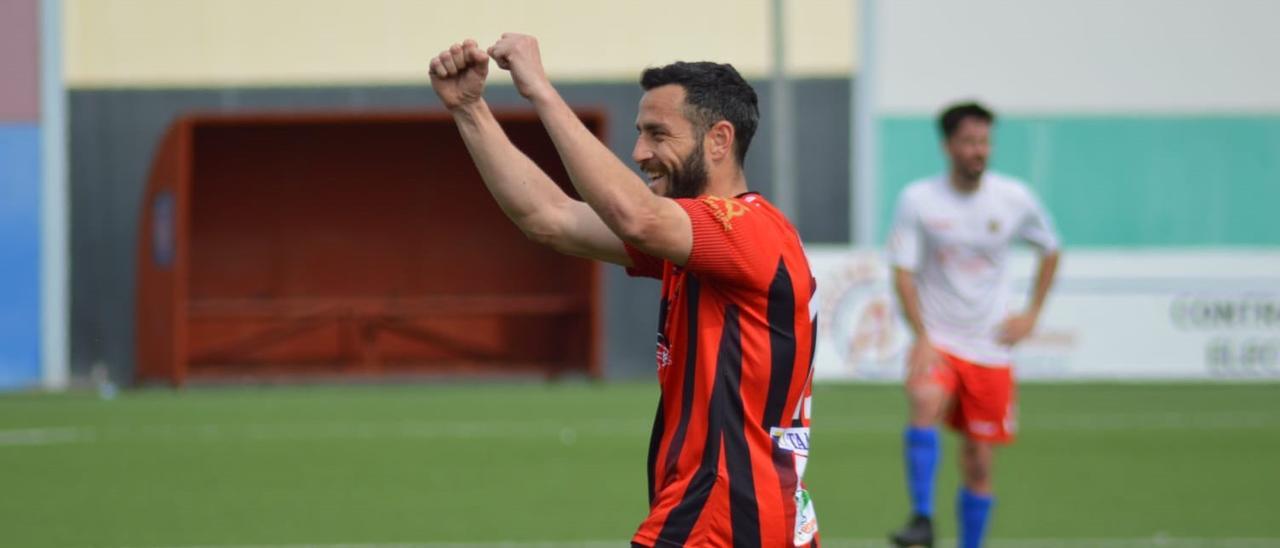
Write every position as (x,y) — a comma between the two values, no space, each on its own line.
(784,169)
(54,203)
(863,169)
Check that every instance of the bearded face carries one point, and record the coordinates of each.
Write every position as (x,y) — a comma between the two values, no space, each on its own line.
(687,179)
(669,147)
(970,147)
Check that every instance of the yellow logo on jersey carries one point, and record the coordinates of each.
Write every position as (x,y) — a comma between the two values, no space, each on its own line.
(725,210)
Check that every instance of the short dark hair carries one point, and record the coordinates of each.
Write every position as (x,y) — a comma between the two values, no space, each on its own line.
(954,114)
(713,92)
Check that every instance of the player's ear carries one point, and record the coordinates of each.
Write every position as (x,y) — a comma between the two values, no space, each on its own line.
(719,140)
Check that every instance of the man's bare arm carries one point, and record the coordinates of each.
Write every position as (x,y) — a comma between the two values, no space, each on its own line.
(904,284)
(922,356)
(526,194)
(530,198)
(656,225)
(1045,274)
(1019,326)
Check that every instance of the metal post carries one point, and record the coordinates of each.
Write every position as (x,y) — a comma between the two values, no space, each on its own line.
(54,258)
(784,169)
(863,162)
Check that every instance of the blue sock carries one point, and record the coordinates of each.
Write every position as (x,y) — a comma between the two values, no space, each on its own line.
(974,511)
(921,453)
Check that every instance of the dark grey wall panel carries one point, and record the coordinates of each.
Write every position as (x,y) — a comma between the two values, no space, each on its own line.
(113,135)
(823,147)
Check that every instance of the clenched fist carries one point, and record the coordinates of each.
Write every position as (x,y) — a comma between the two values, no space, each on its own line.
(458,74)
(518,53)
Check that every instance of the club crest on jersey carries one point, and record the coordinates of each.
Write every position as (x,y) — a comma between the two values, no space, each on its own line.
(993,226)
(725,210)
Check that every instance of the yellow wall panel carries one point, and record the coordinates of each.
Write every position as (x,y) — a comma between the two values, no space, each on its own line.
(820,37)
(289,42)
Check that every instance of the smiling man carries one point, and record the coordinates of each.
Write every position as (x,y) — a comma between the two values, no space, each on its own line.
(735,336)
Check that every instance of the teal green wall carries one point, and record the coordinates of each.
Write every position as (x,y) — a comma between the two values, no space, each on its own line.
(1122,181)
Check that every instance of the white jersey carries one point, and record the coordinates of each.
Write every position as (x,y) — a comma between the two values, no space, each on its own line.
(957,245)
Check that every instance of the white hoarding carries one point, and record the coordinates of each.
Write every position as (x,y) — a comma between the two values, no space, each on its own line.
(1113,314)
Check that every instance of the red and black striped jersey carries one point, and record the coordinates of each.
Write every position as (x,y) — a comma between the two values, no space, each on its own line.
(735,352)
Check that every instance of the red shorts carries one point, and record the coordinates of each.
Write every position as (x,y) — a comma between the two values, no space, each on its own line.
(983,399)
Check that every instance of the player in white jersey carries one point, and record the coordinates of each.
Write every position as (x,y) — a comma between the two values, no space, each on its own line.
(949,245)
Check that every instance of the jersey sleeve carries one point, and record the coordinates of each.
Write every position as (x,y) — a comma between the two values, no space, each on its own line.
(733,242)
(643,265)
(1037,227)
(904,246)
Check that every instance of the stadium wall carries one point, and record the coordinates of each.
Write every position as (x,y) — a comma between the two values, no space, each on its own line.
(1143,123)
(20,194)
(161,43)
(1123,179)
(114,131)
(1135,134)
(1150,131)
(20,255)
(135,64)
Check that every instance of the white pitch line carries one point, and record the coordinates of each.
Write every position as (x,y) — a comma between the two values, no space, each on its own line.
(42,436)
(498,544)
(1160,541)
(569,432)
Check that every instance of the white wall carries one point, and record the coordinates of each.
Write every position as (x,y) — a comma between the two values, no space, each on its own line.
(1161,56)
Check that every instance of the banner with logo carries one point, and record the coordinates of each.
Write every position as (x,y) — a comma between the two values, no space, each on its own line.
(1113,314)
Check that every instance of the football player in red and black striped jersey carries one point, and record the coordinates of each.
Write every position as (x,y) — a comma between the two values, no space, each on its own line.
(736,332)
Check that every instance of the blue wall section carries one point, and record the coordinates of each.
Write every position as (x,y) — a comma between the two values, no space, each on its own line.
(1121,181)
(19,256)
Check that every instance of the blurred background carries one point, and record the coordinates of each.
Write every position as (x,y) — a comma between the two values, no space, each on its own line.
(252,292)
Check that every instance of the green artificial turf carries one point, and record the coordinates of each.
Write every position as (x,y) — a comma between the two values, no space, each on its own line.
(552,463)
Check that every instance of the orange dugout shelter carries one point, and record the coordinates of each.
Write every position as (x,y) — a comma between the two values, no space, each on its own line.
(304,245)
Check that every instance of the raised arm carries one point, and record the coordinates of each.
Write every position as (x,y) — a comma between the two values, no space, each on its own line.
(655,225)
(526,194)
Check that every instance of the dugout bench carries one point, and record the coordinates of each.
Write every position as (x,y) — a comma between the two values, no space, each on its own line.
(337,245)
